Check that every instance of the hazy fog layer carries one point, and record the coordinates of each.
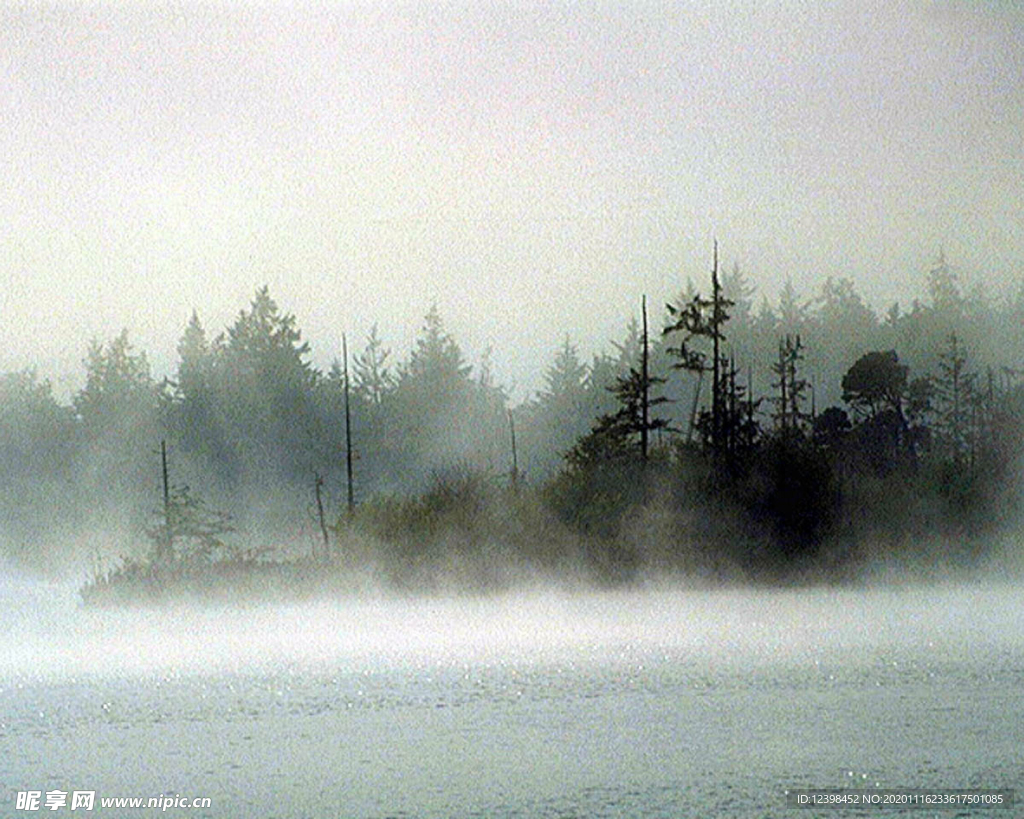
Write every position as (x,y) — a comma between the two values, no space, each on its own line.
(531,168)
(46,635)
(548,704)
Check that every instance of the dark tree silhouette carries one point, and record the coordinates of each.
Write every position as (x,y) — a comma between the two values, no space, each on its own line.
(954,397)
(877,381)
(559,413)
(831,428)
(704,319)
(631,424)
(876,387)
(789,415)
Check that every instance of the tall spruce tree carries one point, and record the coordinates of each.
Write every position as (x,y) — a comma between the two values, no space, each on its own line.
(265,392)
(955,398)
(789,414)
(191,412)
(616,433)
(704,319)
(558,414)
(437,419)
(372,379)
(119,393)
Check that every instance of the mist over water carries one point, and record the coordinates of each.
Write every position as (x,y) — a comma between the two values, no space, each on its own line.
(47,634)
(547,702)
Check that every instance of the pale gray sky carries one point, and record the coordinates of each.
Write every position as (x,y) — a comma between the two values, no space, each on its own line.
(531,167)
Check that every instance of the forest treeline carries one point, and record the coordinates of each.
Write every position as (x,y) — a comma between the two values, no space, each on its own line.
(726,437)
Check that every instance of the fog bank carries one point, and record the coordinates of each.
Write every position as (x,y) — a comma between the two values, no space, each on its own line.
(46,635)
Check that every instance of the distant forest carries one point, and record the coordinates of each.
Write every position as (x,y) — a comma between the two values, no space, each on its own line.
(723,436)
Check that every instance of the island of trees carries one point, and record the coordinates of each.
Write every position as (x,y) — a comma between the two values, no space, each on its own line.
(729,439)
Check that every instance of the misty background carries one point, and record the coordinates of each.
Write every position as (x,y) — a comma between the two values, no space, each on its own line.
(531,169)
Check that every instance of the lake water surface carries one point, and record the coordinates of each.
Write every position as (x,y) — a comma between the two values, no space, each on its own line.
(656,703)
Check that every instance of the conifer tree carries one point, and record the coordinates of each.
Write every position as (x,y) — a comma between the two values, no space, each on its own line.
(372,380)
(704,319)
(266,390)
(194,362)
(191,411)
(558,414)
(118,387)
(564,380)
(439,419)
(631,423)
(955,397)
(793,316)
(789,415)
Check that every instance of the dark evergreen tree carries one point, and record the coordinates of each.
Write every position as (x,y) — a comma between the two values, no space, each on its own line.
(877,381)
(955,399)
(790,416)
(739,429)
(559,413)
(703,319)
(265,394)
(191,413)
(443,417)
(831,428)
(876,388)
(631,424)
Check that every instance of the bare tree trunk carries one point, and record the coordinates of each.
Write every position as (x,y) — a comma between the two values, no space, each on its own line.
(693,407)
(783,383)
(348,431)
(168,533)
(317,484)
(515,454)
(646,387)
(716,386)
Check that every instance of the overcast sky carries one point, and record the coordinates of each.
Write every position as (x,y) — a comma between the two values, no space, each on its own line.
(531,168)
